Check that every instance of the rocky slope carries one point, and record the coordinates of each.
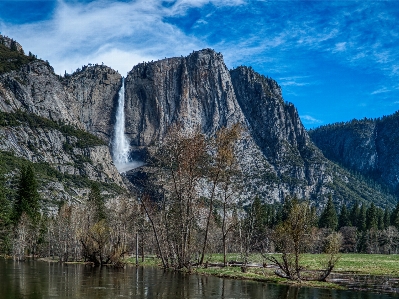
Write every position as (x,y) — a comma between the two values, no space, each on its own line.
(49,119)
(275,152)
(65,124)
(369,146)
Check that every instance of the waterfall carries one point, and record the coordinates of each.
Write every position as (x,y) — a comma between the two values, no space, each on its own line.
(120,144)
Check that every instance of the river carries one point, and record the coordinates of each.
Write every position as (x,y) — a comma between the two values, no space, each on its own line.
(35,279)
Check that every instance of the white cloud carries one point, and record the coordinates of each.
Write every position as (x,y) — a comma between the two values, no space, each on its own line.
(309,120)
(340,47)
(79,33)
(295,81)
(381,90)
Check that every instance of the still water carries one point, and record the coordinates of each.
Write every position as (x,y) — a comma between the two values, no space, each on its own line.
(52,280)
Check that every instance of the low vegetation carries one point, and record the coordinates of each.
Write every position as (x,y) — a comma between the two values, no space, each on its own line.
(84,139)
(12,59)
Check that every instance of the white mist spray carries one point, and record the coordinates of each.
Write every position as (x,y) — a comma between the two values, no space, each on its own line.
(120,145)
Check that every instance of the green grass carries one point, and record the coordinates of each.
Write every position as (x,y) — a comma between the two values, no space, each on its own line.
(370,264)
(360,264)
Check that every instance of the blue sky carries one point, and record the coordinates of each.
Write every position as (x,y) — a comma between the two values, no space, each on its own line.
(335,60)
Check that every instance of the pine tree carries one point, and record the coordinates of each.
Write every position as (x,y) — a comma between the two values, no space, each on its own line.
(343,219)
(371,217)
(395,216)
(387,218)
(380,218)
(328,218)
(5,208)
(98,201)
(28,196)
(286,208)
(361,221)
(354,214)
(5,219)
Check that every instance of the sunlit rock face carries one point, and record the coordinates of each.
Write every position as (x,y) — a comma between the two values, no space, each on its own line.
(195,91)
(198,91)
(84,100)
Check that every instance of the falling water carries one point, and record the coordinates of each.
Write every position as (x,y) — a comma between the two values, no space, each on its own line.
(120,146)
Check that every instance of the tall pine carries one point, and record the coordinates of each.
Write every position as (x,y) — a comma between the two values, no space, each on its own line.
(343,219)
(328,218)
(28,199)
(371,217)
(362,219)
(98,202)
(354,214)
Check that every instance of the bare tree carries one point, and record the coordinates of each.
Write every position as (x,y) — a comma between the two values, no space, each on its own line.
(223,174)
(181,162)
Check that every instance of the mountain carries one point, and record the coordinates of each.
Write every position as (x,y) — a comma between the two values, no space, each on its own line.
(368,146)
(64,126)
(57,123)
(276,152)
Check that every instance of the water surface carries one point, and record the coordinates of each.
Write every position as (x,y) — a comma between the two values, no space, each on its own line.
(34,279)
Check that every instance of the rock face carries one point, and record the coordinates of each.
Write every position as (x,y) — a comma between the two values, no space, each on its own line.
(367,146)
(195,91)
(276,153)
(50,119)
(275,125)
(74,104)
(85,99)
(10,43)
(49,146)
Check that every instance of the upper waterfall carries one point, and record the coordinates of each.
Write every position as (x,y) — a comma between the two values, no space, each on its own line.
(120,145)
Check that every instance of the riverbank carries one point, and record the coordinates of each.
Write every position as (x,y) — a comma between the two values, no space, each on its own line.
(373,272)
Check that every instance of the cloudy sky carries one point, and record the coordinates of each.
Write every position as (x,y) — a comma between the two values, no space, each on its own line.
(335,60)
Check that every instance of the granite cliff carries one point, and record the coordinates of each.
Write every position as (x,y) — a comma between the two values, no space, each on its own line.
(368,146)
(64,124)
(276,153)
(59,121)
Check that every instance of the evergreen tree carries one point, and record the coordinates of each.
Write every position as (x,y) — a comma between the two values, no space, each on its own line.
(5,219)
(387,218)
(371,217)
(354,214)
(395,216)
(13,45)
(286,208)
(328,218)
(98,202)
(380,217)
(343,219)
(5,208)
(27,197)
(361,221)
(259,217)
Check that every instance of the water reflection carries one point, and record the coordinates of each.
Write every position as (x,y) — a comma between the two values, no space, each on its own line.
(43,280)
